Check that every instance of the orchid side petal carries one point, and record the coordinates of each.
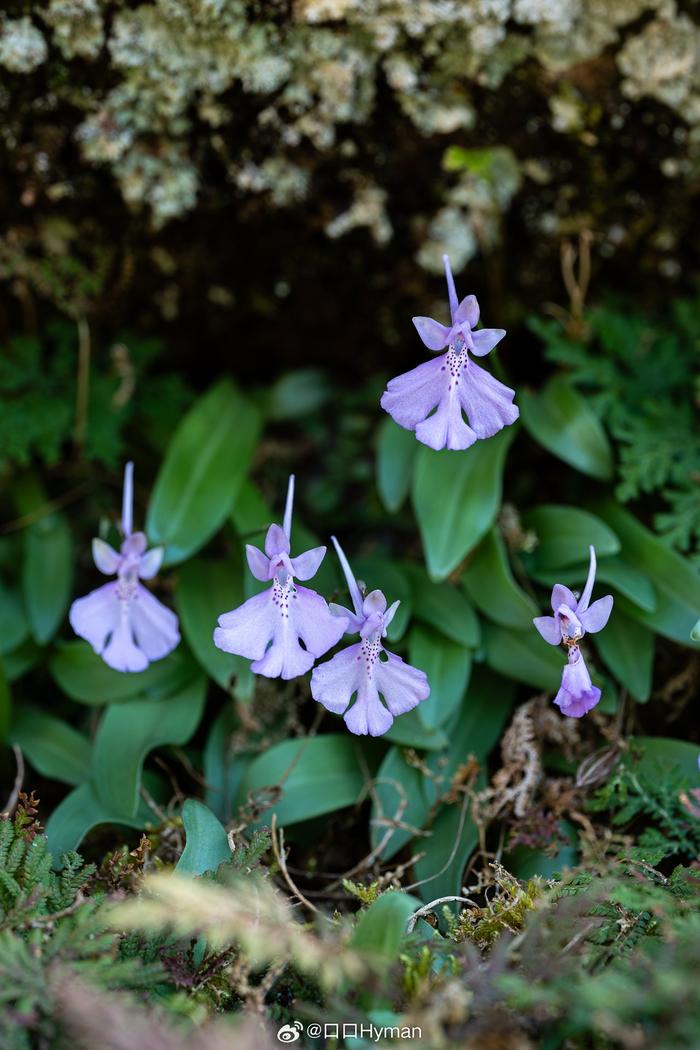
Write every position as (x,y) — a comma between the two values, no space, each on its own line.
(151,562)
(258,563)
(549,628)
(390,614)
(105,557)
(595,617)
(433,334)
(306,565)
(485,339)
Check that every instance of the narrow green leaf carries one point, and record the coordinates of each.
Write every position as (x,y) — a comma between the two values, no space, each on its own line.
(206,589)
(627,647)
(381,930)
(202,472)
(14,628)
(399,803)
(314,776)
(676,581)
(523,656)
(80,812)
(224,767)
(409,731)
(396,454)
(456,496)
(53,747)
(443,607)
(128,732)
(662,754)
(448,666)
(489,582)
(84,676)
(206,842)
(695,633)
(561,420)
(47,574)
(564,535)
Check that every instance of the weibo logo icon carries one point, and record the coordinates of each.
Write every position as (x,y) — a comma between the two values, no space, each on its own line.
(289,1033)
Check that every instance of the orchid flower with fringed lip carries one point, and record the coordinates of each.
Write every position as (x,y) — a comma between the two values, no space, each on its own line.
(452,385)
(123,622)
(573,618)
(366,668)
(270,626)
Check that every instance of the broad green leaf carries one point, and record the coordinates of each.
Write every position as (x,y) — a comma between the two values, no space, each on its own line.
(676,581)
(631,582)
(5,704)
(296,394)
(14,629)
(448,666)
(564,535)
(456,496)
(409,731)
(381,929)
(129,731)
(399,803)
(664,754)
(315,775)
(205,589)
(695,633)
(203,470)
(80,812)
(443,607)
(453,833)
(396,455)
(84,676)
(22,659)
(489,582)
(627,647)
(376,572)
(223,767)
(561,420)
(47,574)
(523,656)
(206,842)
(53,747)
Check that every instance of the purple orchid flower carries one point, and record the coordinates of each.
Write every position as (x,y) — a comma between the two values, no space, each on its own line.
(123,622)
(573,618)
(287,627)
(433,398)
(366,668)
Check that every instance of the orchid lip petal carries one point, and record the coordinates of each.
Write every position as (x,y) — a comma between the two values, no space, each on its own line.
(128,499)
(350,578)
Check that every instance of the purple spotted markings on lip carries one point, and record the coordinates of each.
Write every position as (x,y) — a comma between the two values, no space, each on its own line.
(433,398)
(286,627)
(366,670)
(123,622)
(573,618)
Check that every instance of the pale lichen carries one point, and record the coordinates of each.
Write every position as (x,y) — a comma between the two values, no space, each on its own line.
(22,45)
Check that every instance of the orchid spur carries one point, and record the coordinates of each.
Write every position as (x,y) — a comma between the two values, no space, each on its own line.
(122,621)
(433,398)
(573,618)
(286,627)
(366,670)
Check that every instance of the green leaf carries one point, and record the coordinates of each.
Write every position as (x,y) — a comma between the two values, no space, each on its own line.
(560,419)
(666,755)
(456,496)
(53,747)
(443,607)
(381,929)
(633,583)
(695,633)
(14,629)
(398,798)
(675,580)
(206,842)
(315,775)
(448,666)
(523,656)
(21,660)
(564,535)
(409,731)
(224,767)
(5,704)
(203,470)
(47,574)
(80,812)
(396,454)
(205,589)
(128,732)
(489,582)
(377,573)
(296,394)
(627,648)
(84,676)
